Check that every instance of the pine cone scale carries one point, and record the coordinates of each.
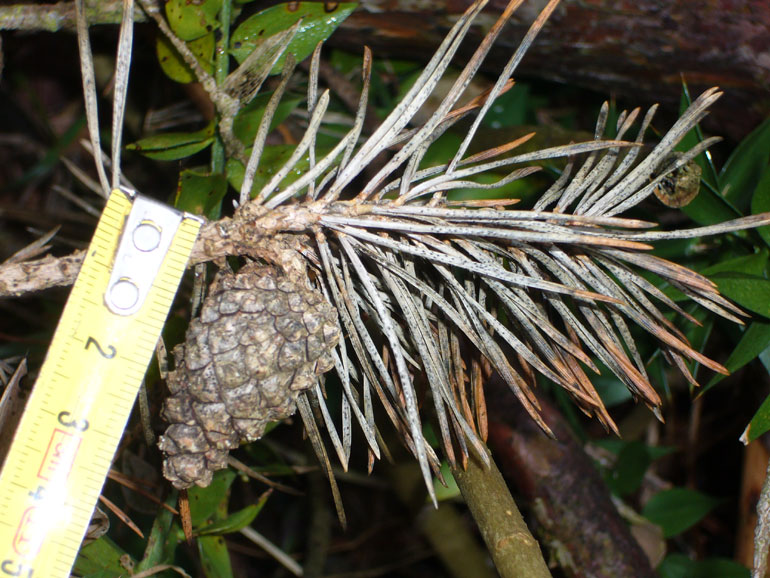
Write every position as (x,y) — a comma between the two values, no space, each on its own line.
(261,339)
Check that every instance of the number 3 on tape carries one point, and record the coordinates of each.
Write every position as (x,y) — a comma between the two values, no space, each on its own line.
(75,416)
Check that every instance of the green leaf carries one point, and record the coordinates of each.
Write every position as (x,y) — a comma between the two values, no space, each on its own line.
(192,19)
(214,557)
(100,557)
(678,509)
(749,291)
(451,490)
(247,121)
(693,138)
(709,208)
(754,341)
(698,336)
(200,193)
(611,389)
(171,146)
(680,566)
(511,109)
(174,65)
(616,446)
(626,477)
(318,19)
(52,156)
(273,158)
(743,169)
(760,202)
(753,264)
(163,539)
(234,522)
(205,501)
(759,424)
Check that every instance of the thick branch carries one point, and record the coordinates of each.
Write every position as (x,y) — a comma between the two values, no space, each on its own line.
(253,230)
(571,503)
(637,49)
(55,17)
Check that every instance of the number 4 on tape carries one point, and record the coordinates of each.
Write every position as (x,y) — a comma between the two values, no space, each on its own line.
(75,416)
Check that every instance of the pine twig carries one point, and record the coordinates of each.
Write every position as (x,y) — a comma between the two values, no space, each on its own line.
(514,550)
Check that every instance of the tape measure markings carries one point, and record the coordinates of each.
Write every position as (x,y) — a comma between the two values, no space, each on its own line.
(75,417)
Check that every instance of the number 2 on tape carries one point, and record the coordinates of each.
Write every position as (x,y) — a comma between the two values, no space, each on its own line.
(72,423)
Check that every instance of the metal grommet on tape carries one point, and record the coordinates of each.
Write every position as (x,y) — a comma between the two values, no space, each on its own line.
(147,236)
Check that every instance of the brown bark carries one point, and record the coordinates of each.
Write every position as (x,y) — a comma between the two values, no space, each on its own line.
(575,516)
(638,49)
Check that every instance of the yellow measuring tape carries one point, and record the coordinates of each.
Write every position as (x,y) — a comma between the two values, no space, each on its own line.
(75,416)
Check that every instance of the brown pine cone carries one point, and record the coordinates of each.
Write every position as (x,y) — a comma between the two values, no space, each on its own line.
(261,339)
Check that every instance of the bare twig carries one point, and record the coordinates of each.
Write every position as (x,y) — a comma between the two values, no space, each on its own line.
(514,550)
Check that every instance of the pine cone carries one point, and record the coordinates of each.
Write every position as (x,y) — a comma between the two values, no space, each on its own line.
(261,339)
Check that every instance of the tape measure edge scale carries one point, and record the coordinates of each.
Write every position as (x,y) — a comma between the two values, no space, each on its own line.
(75,416)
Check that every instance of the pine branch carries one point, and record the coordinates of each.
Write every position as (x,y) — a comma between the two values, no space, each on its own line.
(413,276)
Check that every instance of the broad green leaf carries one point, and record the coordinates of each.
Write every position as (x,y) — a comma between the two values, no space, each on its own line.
(247,121)
(680,566)
(163,539)
(174,65)
(611,131)
(273,158)
(171,146)
(759,424)
(678,509)
(749,291)
(745,166)
(200,193)
(234,522)
(626,477)
(100,557)
(764,357)
(215,558)
(192,19)
(677,249)
(511,109)
(754,341)
(709,208)
(318,21)
(616,446)
(205,501)
(753,264)
(760,202)
(611,390)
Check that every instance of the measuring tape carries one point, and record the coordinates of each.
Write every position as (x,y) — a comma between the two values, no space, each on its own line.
(75,416)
